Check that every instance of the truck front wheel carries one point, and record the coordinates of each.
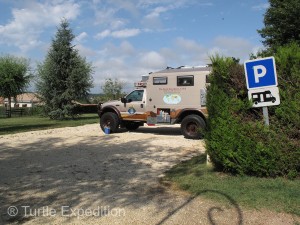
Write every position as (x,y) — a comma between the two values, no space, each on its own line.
(111,120)
(191,127)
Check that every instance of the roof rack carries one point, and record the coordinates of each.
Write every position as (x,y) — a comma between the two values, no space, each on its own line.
(185,68)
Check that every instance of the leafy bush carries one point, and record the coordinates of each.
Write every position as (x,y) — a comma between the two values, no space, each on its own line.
(237,139)
(36,111)
(72,111)
(58,114)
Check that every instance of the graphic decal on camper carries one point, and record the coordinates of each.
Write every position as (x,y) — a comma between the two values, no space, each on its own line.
(131,110)
(172,99)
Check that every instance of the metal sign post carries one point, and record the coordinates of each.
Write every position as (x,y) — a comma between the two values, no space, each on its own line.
(266,115)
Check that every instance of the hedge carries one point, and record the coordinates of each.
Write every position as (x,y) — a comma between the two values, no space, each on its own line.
(237,139)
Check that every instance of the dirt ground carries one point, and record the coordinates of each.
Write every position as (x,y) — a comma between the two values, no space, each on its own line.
(79,175)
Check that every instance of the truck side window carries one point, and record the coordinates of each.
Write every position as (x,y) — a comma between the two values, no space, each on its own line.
(185,80)
(160,80)
(136,95)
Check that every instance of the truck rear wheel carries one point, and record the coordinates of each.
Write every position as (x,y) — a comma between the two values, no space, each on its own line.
(111,120)
(191,127)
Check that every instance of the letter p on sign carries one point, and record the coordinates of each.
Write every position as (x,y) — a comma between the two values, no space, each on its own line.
(260,73)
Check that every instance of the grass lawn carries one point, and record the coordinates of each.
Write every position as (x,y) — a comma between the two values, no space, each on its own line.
(196,177)
(29,123)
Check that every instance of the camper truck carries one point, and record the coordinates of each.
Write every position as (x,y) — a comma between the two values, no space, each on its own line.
(170,96)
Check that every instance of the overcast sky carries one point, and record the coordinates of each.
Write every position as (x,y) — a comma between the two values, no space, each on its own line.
(128,38)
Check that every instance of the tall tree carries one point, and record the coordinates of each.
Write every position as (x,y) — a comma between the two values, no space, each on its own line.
(112,89)
(282,23)
(14,77)
(64,76)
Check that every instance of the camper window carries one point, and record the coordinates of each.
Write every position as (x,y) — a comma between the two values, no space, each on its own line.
(185,80)
(160,80)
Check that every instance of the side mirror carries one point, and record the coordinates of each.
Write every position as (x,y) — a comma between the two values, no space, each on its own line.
(123,100)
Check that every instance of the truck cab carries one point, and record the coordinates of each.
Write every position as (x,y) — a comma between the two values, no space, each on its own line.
(170,96)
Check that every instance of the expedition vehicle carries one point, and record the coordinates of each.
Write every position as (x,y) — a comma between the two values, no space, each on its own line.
(170,96)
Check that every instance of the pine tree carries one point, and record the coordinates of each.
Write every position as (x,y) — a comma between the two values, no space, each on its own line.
(64,76)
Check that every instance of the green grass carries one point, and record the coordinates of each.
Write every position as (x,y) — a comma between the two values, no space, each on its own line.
(30,123)
(196,177)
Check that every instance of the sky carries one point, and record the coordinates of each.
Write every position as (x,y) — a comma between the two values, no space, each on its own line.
(125,39)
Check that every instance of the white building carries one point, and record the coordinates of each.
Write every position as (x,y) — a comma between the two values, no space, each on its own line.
(23,100)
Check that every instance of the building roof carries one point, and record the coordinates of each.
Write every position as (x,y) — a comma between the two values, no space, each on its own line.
(26,98)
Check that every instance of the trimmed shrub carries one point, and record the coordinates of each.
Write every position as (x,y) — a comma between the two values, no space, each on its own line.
(237,139)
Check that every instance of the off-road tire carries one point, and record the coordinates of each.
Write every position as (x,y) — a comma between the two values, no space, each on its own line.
(192,127)
(111,120)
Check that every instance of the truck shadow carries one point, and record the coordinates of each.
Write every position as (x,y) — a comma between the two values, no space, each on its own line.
(158,130)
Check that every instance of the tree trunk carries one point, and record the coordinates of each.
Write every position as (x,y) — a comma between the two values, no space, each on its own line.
(9,107)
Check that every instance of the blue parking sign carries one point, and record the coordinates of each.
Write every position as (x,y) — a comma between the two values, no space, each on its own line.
(260,73)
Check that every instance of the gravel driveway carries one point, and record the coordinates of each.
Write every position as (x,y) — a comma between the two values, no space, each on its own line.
(79,175)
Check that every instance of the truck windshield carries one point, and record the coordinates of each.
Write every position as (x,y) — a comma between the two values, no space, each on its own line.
(136,95)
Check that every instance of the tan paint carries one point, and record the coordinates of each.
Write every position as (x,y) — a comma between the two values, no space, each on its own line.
(166,100)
